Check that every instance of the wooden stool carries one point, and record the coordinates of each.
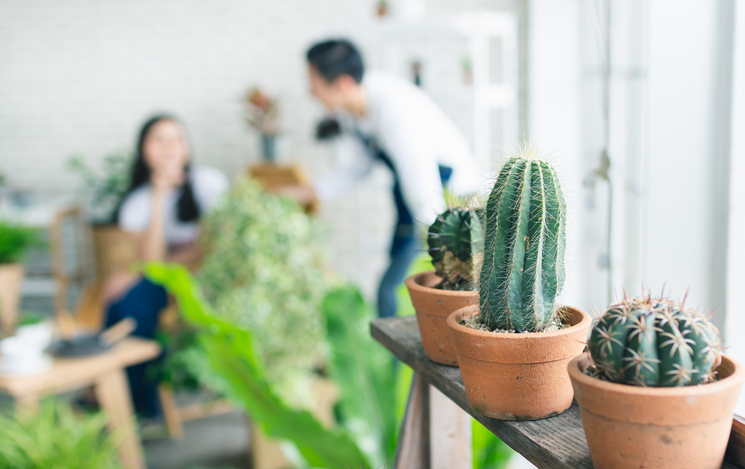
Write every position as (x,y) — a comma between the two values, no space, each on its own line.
(105,372)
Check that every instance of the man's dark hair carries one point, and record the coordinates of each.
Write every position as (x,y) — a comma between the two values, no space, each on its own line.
(336,57)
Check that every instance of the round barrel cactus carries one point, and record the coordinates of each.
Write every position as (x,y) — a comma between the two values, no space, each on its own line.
(655,342)
(523,267)
(454,241)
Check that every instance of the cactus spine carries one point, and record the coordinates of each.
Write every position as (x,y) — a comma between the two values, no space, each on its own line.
(455,241)
(523,267)
(655,342)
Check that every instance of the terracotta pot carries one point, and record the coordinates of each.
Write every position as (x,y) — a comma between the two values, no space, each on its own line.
(662,428)
(518,376)
(11,276)
(433,306)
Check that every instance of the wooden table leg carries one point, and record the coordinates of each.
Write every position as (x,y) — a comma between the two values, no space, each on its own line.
(413,448)
(451,445)
(171,413)
(113,396)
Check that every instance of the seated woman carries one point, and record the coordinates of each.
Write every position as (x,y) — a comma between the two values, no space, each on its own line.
(161,209)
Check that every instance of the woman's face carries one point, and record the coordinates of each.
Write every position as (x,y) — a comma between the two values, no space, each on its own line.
(165,148)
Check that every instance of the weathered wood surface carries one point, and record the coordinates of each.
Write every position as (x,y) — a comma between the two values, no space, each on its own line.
(736,446)
(413,450)
(555,443)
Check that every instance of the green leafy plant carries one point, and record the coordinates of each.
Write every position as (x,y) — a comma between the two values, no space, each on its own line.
(264,272)
(56,437)
(232,356)
(655,342)
(104,189)
(361,368)
(14,241)
(455,241)
(523,268)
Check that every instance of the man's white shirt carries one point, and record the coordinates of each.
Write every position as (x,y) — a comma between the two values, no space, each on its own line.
(415,134)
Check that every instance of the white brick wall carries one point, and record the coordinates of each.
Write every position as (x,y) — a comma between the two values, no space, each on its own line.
(80,76)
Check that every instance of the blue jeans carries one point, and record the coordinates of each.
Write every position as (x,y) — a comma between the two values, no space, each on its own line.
(143,303)
(403,251)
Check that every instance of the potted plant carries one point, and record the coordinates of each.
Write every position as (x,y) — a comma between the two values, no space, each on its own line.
(452,240)
(58,436)
(655,389)
(514,347)
(262,113)
(14,240)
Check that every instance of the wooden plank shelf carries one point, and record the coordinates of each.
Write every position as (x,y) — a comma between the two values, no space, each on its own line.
(554,443)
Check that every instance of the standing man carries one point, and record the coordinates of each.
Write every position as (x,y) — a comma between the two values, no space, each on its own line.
(384,118)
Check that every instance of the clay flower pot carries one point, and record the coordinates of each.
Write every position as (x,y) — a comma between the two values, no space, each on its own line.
(664,428)
(433,306)
(518,376)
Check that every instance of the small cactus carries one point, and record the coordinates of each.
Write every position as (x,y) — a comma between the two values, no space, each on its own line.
(455,241)
(655,342)
(523,267)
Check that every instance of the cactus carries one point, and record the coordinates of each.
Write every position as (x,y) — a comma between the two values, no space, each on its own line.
(523,266)
(655,342)
(455,241)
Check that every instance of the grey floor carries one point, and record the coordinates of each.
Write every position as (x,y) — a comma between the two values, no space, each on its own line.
(214,442)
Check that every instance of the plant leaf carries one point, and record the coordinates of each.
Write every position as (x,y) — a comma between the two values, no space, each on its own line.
(230,352)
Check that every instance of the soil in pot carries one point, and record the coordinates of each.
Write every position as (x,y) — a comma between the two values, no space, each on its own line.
(433,306)
(511,376)
(664,428)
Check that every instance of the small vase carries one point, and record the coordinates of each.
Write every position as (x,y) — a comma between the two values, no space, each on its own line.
(269,147)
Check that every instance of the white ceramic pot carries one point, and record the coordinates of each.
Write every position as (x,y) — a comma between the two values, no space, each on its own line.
(39,335)
(24,353)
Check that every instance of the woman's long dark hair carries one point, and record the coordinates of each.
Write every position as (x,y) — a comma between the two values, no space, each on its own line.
(187,207)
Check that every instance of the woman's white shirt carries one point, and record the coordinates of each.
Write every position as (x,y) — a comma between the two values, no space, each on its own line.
(208,185)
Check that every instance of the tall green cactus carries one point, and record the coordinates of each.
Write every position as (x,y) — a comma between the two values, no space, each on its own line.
(523,268)
(655,342)
(455,241)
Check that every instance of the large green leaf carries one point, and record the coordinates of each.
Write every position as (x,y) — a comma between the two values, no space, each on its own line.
(363,371)
(230,352)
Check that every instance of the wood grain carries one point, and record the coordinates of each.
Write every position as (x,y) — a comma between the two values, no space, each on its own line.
(736,447)
(555,443)
(413,449)
(112,394)
(68,374)
(450,444)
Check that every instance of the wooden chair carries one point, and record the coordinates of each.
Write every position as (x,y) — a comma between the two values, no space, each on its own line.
(71,265)
(85,257)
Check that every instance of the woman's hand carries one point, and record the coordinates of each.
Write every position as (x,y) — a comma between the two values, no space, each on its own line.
(165,178)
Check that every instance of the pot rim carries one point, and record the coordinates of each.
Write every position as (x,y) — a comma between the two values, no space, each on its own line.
(454,323)
(414,283)
(577,375)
